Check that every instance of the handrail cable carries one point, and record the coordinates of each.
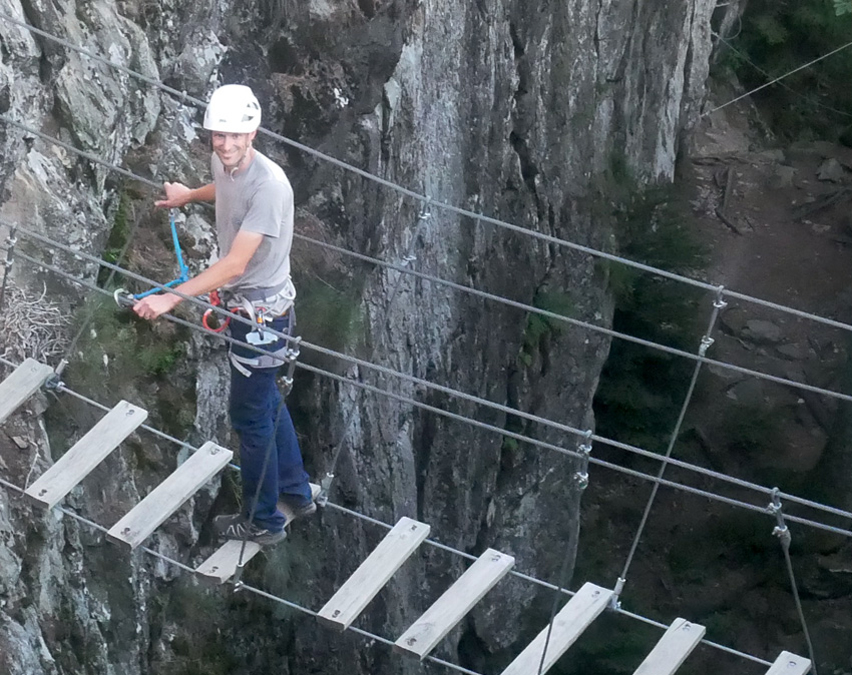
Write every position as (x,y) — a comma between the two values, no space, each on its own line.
(589,326)
(61,387)
(777,79)
(425,199)
(503,432)
(727,42)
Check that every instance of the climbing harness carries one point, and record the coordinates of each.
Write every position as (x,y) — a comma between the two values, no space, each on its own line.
(124,298)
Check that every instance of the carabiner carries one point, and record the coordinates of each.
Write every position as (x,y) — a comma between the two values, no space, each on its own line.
(216,301)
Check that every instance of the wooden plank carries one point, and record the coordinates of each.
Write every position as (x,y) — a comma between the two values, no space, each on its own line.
(351,599)
(671,651)
(169,495)
(24,381)
(222,565)
(568,625)
(788,663)
(458,600)
(86,454)
(287,511)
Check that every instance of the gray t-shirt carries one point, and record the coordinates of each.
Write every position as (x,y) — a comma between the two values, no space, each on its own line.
(257,199)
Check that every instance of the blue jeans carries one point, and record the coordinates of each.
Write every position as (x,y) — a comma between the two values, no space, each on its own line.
(255,403)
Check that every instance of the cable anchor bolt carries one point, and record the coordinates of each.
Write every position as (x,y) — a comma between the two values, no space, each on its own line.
(325,486)
(614,601)
(720,302)
(776,508)
(581,477)
(426,210)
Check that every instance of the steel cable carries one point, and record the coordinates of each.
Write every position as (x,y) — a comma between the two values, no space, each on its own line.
(601,439)
(243,587)
(427,199)
(431,542)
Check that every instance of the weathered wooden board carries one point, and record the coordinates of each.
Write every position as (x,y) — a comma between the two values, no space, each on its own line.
(24,381)
(287,511)
(788,663)
(671,651)
(86,454)
(222,565)
(458,600)
(568,625)
(351,599)
(168,496)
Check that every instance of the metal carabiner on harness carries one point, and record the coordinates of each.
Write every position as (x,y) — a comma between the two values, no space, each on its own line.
(216,301)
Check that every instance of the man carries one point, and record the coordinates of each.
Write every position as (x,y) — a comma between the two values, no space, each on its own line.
(254,223)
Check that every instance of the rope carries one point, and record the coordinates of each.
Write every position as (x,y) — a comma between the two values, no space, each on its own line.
(777,79)
(526,439)
(243,587)
(785,538)
(706,342)
(478,217)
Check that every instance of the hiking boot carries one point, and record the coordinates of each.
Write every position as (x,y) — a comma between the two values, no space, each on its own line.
(297,507)
(237,527)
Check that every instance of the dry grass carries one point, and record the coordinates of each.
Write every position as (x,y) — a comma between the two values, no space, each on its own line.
(32,325)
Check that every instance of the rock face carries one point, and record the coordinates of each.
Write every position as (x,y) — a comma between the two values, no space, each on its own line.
(529,117)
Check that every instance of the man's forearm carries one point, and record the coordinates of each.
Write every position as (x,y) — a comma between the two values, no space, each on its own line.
(205,193)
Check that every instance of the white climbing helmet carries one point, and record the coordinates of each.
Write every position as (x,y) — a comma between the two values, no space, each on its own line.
(234,109)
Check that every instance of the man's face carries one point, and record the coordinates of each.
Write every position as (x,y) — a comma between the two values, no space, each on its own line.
(232,149)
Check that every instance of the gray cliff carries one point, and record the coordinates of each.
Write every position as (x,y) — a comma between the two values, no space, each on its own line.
(521,111)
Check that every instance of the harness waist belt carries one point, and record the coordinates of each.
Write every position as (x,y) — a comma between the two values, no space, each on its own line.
(258,294)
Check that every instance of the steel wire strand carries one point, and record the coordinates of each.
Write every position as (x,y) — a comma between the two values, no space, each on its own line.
(778,79)
(606,331)
(243,587)
(706,342)
(727,42)
(431,542)
(503,432)
(356,514)
(427,199)
(560,317)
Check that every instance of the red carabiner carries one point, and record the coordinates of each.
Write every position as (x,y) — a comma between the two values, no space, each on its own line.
(216,301)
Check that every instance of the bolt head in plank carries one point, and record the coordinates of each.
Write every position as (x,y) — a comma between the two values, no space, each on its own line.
(788,663)
(371,576)
(671,651)
(169,495)
(222,565)
(422,637)
(586,605)
(110,431)
(24,381)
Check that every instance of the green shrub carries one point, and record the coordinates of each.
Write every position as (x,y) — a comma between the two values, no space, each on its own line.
(778,36)
(641,390)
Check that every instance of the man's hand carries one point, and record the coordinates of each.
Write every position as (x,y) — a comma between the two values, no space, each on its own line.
(155,305)
(177,196)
